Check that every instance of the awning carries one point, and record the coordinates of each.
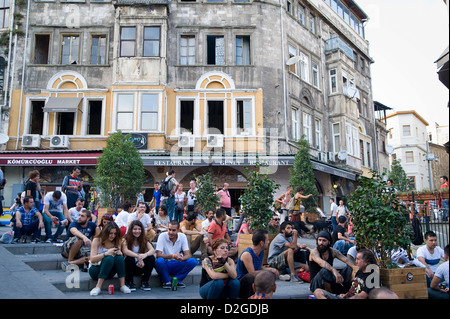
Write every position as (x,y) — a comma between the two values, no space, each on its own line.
(62,104)
(78,158)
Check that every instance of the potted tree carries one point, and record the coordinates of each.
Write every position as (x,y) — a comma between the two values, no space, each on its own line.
(257,203)
(381,225)
(120,173)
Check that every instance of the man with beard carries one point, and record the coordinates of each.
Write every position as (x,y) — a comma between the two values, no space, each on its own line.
(323,274)
(282,250)
(80,235)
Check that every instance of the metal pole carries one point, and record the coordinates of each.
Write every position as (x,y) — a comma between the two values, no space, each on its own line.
(430,181)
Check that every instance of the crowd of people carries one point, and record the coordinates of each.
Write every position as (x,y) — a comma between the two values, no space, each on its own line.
(122,244)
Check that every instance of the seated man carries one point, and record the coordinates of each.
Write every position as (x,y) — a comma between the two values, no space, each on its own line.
(55,209)
(80,235)
(218,229)
(323,274)
(359,288)
(341,240)
(436,290)
(429,255)
(282,250)
(173,256)
(75,211)
(194,233)
(28,221)
(142,215)
(264,285)
(250,261)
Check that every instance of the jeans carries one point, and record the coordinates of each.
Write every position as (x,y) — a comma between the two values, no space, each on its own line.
(175,268)
(170,204)
(31,229)
(326,276)
(110,266)
(343,246)
(334,222)
(220,289)
(131,269)
(48,225)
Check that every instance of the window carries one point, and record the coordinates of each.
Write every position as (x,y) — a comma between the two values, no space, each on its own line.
(70,47)
(412,182)
(4,13)
(186,116)
(304,67)
(216,49)
(215,117)
(301,14)
(98,49)
(94,123)
(128,41)
(41,48)
(333,81)
(2,72)
(318,127)
(66,123)
(149,112)
(292,53)
(349,136)
(364,105)
(406,130)
(369,154)
(312,24)
(289,7)
(244,117)
(363,65)
(307,127)
(295,125)
(336,137)
(187,50)
(361,150)
(37,117)
(409,157)
(315,75)
(243,50)
(125,109)
(151,41)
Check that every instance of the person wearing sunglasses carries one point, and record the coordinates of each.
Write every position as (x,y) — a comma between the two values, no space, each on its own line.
(274,224)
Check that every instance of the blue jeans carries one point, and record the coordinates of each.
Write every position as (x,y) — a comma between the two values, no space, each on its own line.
(48,225)
(343,246)
(334,222)
(174,268)
(170,204)
(31,229)
(220,289)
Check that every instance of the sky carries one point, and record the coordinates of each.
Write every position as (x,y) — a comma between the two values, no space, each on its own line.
(405,38)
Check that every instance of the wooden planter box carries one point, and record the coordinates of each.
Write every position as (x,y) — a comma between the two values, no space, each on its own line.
(407,283)
(423,196)
(245,241)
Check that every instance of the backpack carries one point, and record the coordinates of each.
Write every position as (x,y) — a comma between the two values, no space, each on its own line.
(165,187)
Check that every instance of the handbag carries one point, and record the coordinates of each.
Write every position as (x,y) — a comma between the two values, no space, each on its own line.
(290,205)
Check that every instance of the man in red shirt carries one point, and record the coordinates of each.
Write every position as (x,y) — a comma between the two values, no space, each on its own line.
(225,199)
(218,229)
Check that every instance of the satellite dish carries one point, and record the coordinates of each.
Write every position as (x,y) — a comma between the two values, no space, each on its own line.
(3,138)
(293,60)
(352,92)
(389,149)
(342,155)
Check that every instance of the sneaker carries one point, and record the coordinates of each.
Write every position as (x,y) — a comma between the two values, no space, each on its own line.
(181,285)
(131,286)
(48,241)
(285,277)
(125,289)
(95,291)
(295,278)
(16,241)
(167,285)
(64,265)
(145,286)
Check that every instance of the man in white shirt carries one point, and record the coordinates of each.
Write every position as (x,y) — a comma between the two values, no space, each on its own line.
(429,255)
(55,210)
(333,213)
(173,256)
(436,291)
(144,218)
(75,211)
(122,218)
(342,209)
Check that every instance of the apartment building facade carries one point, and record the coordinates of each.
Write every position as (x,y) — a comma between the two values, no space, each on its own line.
(205,85)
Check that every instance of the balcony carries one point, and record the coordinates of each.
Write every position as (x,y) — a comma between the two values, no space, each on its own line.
(336,43)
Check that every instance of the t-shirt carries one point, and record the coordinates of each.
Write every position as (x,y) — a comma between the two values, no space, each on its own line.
(165,245)
(34,191)
(55,205)
(205,224)
(226,199)
(442,272)
(336,231)
(333,209)
(191,196)
(157,197)
(358,284)
(74,213)
(122,219)
(341,211)
(431,259)
(145,220)
(88,230)
(217,230)
(277,246)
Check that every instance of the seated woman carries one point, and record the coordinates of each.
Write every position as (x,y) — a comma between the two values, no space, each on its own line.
(219,274)
(162,219)
(244,229)
(106,258)
(139,259)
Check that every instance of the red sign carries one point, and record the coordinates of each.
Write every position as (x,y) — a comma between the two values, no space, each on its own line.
(53,159)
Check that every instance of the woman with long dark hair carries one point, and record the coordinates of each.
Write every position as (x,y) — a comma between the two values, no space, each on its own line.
(139,256)
(106,258)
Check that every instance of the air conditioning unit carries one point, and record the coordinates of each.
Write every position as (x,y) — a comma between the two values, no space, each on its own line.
(186,140)
(59,141)
(31,141)
(214,140)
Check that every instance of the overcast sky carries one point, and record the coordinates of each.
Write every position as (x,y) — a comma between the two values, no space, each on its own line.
(406,37)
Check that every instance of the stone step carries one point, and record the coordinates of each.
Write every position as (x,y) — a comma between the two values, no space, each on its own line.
(33,249)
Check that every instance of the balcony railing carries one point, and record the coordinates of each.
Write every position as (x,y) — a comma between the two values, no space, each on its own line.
(336,43)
